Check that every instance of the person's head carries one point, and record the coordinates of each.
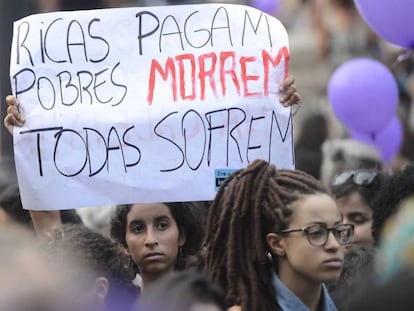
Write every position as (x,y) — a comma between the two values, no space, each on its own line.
(340,155)
(157,236)
(394,190)
(182,291)
(100,266)
(355,191)
(259,211)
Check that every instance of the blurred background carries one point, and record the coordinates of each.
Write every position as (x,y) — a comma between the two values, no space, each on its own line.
(323,34)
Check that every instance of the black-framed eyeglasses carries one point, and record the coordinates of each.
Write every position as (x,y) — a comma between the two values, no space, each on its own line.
(359,178)
(317,234)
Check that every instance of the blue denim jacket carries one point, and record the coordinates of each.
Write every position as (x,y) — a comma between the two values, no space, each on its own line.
(288,301)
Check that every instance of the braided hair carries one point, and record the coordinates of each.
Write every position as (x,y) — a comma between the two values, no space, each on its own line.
(249,204)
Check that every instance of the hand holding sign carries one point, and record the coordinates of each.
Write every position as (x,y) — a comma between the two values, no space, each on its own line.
(288,90)
(13,117)
(147,102)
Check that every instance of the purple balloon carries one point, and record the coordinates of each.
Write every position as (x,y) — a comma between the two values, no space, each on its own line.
(387,140)
(390,19)
(267,6)
(363,94)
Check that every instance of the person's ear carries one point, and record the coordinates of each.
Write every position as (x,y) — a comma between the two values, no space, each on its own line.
(125,250)
(182,238)
(101,289)
(276,244)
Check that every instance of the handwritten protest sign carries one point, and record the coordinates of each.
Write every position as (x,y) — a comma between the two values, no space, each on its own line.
(154,104)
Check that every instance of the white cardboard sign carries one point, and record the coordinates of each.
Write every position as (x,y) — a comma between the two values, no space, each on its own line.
(152,104)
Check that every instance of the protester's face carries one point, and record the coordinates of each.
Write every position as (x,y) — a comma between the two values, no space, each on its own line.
(356,211)
(153,238)
(301,260)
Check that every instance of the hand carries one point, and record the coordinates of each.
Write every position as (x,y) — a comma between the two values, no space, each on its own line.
(13,117)
(288,93)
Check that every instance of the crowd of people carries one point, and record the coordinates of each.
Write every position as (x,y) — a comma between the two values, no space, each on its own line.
(336,233)
(272,239)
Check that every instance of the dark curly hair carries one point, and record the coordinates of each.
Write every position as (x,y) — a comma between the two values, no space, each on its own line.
(97,254)
(189,217)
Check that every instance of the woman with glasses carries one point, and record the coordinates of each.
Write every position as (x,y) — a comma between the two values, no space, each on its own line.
(274,237)
(355,191)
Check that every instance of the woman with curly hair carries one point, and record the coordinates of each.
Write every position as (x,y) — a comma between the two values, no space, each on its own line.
(158,236)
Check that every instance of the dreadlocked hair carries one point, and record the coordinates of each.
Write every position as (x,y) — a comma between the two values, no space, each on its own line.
(249,204)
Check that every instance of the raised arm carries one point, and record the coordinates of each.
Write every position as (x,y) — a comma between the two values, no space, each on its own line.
(43,221)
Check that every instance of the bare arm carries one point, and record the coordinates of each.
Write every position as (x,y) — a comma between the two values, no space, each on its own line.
(43,221)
